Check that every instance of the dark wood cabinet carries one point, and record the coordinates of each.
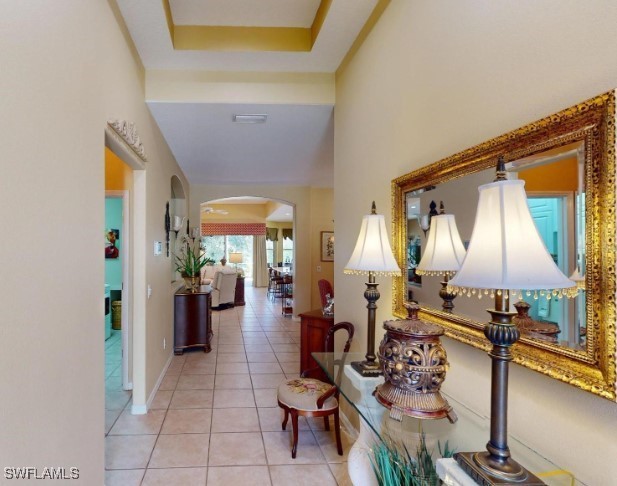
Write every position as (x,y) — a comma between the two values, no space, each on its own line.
(239,298)
(314,328)
(192,320)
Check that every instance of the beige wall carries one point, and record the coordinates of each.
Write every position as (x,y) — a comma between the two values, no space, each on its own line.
(434,78)
(322,219)
(66,70)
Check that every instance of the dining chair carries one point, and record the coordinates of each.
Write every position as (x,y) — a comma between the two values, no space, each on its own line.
(309,397)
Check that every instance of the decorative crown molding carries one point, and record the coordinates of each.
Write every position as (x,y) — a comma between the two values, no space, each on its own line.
(128,133)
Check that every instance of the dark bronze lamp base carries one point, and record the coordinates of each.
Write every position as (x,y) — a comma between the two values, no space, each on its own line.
(478,466)
(367,368)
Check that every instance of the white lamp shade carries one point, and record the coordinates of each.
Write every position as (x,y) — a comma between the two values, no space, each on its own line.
(506,250)
(372,252)
(444,249)
(235,257)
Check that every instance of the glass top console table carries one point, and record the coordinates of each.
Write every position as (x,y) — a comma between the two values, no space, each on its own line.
(470,432)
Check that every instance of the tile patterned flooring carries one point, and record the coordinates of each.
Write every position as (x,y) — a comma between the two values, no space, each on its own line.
(215,420)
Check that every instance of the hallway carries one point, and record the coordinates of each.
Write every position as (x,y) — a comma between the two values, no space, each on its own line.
(215,420)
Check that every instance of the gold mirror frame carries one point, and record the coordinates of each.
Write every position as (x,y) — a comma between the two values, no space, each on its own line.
(593,123)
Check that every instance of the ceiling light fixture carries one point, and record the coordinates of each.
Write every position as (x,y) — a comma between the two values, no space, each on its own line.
(250,118)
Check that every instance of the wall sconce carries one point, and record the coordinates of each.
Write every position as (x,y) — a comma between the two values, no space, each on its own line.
(178,223)
(195,233)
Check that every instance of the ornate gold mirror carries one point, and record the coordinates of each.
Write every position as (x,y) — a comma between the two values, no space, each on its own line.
(568,163)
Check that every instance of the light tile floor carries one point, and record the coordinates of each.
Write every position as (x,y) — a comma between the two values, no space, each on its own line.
(215,420)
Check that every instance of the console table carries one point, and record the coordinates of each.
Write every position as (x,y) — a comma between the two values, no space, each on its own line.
(192,320)
(469,433)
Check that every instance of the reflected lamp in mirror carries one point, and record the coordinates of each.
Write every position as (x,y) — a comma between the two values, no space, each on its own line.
(371,256)
(505,255)
(578,279)
(444,254)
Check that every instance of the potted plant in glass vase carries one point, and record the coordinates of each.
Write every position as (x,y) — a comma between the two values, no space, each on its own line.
(189,263)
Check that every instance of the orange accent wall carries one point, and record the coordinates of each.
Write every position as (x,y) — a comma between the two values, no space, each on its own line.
(558,176)
(118,175)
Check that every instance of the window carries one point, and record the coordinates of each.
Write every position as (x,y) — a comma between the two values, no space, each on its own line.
(220,246)
(270,252)
(288,251)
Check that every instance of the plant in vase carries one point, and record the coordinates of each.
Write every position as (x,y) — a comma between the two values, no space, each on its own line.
(189,263)
(394,466)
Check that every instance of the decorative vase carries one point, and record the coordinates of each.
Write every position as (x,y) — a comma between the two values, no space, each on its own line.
(545,331)
(414,365)
(191,283)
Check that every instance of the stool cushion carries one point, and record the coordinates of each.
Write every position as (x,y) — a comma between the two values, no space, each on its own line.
(302,394)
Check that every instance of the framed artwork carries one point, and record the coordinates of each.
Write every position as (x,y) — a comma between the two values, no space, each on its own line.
(327,246)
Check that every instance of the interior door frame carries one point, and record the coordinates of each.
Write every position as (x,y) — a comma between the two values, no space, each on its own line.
(127,383)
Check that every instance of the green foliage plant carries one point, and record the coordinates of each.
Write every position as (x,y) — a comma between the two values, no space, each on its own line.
(191,259)
(395,466)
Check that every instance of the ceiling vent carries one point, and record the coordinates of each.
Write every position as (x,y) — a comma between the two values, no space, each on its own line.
(250,118)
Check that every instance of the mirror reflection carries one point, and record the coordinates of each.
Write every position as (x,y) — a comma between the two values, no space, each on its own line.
(555,186)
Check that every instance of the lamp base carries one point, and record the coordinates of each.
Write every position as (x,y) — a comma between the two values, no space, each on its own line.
(367,368)
(479,466)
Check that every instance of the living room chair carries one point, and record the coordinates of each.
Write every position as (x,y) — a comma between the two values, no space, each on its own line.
(224,288)
(309,397)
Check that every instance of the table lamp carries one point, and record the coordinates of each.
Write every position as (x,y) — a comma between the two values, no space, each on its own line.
(235,257)
(371,256)
(505,255)
(444,254)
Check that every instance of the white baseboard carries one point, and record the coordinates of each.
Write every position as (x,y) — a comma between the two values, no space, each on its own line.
(128,387)
(143,409)
(139,409)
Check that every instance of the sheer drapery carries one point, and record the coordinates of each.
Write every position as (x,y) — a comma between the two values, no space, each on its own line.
(260,265)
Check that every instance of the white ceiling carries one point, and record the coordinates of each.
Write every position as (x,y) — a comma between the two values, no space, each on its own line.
(295,145)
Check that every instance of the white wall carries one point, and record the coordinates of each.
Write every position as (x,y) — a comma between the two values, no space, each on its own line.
(66,70)
(432,79)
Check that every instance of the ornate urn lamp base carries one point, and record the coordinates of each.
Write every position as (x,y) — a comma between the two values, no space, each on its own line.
(414,365)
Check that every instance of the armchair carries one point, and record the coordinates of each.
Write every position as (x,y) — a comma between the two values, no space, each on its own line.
(224,287)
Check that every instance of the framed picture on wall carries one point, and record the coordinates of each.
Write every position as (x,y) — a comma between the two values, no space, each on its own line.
(327,246)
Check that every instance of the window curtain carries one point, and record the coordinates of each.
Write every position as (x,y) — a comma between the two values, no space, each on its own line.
(247,229)
(260,265)
(288,233)
(272,234)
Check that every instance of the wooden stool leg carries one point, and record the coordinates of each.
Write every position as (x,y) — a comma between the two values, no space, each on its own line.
(326,422)
(286,418)
(337,432)
(294,424)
